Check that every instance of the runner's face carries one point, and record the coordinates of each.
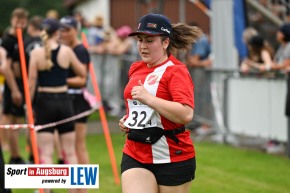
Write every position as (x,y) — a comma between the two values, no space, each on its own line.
(151,49)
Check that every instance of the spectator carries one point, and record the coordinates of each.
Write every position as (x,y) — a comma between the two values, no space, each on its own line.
(49,66)
(4,70)
(197,61)
(111,73)
(248,33)
(282,55)
(282,63)
(260,56)
(128,52)
(13,110)
(96,32)
(77,84)
(31,42)
(96,35)
(201,53)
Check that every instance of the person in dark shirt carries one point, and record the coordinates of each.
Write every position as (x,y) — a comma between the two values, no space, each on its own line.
(32,41)
(4,70)
(69,36)
(49,67)
(13,99)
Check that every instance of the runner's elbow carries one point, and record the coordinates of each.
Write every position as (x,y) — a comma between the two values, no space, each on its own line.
(187,118)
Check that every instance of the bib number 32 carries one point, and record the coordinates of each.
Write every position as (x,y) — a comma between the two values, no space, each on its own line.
(138,119)
(139,115)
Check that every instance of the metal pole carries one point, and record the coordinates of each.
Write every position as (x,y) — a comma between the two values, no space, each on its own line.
(222,33)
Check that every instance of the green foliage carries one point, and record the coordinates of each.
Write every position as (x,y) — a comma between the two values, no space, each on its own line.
(35,7)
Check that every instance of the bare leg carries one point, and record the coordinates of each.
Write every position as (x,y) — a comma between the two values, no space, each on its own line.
(183,188)
(81,146)
(4,133)
(57,147)
(12,136)
(139,180)
(45,144)
(67,141)
(13,143)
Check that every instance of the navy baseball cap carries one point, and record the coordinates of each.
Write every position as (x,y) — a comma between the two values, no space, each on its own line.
(51,25)
(153,24)
(69,21)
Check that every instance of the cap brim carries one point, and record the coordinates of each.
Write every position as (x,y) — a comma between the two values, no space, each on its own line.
(144,32)
(64,26)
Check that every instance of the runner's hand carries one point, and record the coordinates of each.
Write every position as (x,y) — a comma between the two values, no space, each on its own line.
(17,97)
(122,126)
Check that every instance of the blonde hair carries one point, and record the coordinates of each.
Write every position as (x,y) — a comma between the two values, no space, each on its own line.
(248,33)
(52,14)
(182,37)
(44,36)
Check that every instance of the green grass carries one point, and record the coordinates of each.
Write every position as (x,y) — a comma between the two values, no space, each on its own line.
(226,169)
(220,168)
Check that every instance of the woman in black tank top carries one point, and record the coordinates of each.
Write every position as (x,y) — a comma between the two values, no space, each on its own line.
(49,66)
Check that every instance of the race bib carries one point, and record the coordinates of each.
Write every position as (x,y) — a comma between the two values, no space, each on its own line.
(139,115)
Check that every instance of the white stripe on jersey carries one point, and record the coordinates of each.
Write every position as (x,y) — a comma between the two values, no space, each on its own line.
(160,149)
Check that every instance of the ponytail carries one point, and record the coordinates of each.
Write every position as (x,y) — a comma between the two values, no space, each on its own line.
(44,37)
(182,37)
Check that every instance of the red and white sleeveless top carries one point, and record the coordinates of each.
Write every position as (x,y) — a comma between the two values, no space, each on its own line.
(170,81)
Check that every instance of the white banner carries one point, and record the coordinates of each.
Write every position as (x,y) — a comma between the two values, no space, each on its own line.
(51,176)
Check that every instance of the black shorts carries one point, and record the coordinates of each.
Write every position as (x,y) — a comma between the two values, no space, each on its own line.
(80,105)
(168,174)
(8,107)
(52,107)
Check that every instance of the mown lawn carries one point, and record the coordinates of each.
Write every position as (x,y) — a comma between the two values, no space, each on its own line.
(220,168)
